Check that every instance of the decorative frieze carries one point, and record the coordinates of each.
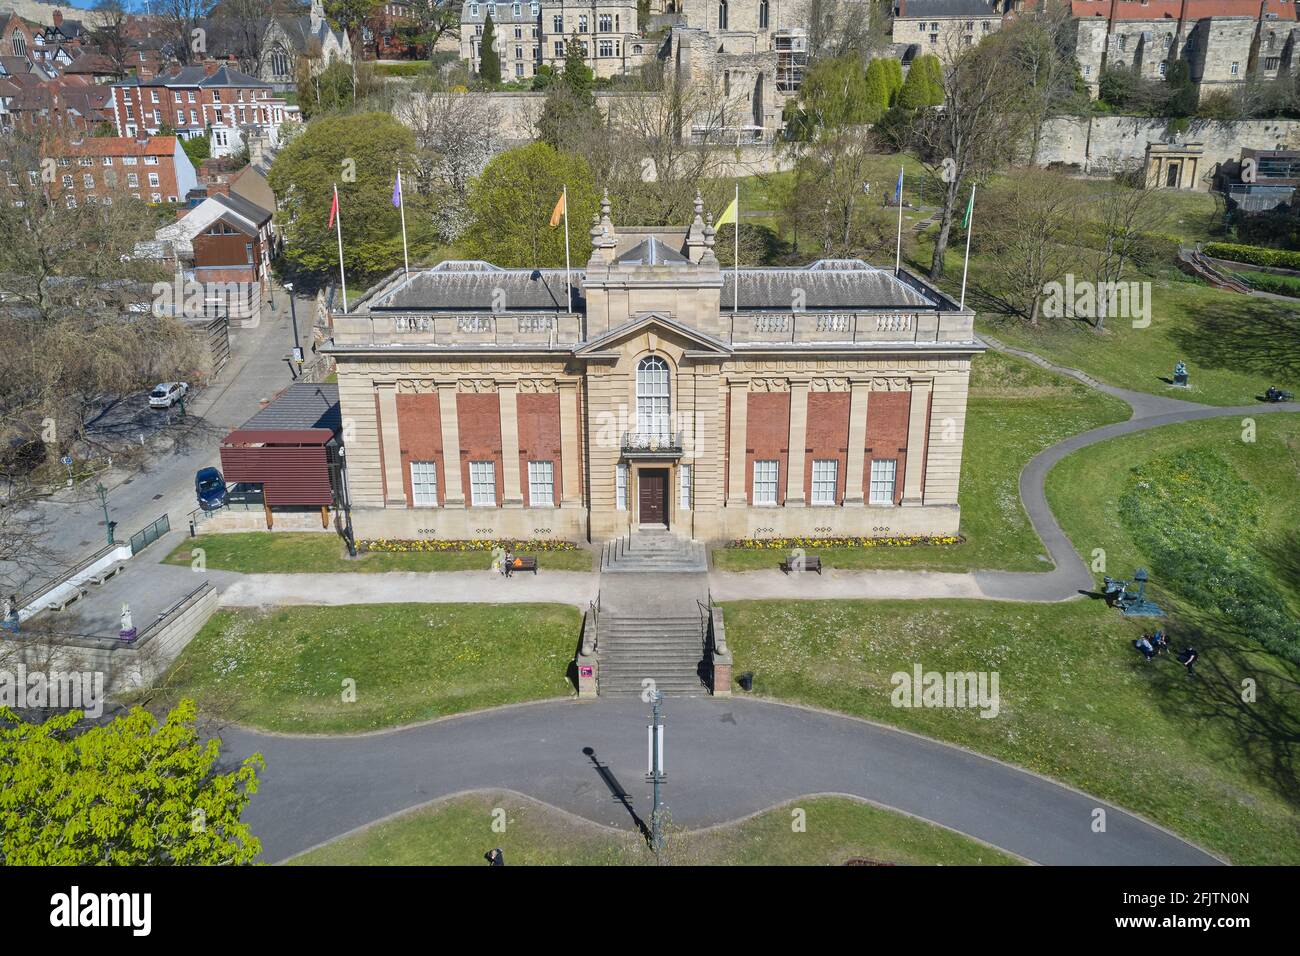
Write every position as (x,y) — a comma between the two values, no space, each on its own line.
(481,386)
(828,385)
(769,385)
(537,386)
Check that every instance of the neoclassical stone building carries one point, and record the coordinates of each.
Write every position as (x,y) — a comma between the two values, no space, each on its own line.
(654,391)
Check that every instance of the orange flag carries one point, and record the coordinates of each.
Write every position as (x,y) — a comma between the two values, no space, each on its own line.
(558,212)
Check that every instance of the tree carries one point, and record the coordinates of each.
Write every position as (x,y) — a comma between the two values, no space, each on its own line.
(350,16)
(834,94)
(132,793)
(360,152)
(1125,214)
(1041,41)
(833,201)
(1182,91)
(569,118)
(242,26)
(182,22)
(511,204)
(108,32)
(877,90)
(197,148)
(489,61)
(431,20)
(894,73)
(924,84)
(1026,224)
(978,127)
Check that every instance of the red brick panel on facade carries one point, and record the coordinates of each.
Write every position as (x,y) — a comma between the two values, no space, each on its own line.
(887,421)
(479,418)
(419,434)
(767,436)
(539,440)
(827,438)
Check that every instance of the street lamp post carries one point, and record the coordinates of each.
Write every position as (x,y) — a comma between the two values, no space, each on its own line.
(103,502)
(293,311)
(655,770)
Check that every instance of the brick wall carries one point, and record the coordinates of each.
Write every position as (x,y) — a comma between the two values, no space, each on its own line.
(827,437)
(887,419)
(419,429)
(767,436)
(539,440)
(479,418)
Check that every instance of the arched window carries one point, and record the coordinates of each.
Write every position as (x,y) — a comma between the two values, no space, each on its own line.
(722,14)
(19,44)
(279,61)
(762,14)
(652,399)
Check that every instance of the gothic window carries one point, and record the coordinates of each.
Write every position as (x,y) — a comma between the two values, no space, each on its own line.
(279,61)
(652,398)
(762,14)
(19,44)
(722,14)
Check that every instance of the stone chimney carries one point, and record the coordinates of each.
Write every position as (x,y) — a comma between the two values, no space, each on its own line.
(58,18)
(210,67)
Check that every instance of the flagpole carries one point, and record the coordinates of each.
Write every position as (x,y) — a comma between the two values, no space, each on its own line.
(735,285)
(970,221)
(338,230)
(401,207)
(898,249)
(568,282)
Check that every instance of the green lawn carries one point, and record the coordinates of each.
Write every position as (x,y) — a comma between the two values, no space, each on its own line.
(459,831)
(287,669)
(1077,704)
(1016,410)
(263,552)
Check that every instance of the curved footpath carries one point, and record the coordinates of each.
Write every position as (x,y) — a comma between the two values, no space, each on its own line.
(725,758)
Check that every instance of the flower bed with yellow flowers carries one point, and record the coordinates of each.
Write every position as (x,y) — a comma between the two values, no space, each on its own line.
(442,545)
(894,541)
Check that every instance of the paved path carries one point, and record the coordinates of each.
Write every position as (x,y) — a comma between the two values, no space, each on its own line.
(725,759)
(429,587)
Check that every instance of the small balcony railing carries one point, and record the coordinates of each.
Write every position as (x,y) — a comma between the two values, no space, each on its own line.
(653,442)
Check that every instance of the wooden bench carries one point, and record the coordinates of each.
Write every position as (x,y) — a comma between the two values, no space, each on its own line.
(810,563)
(521,562)
(117,567)
(59,604)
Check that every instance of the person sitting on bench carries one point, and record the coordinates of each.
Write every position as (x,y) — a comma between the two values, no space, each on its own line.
(1143,644)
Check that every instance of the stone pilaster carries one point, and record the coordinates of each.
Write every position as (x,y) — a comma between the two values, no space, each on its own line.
(918,417)
(859,391)
(453,494)
(736,492)
(507,394)
(389,437)
(798,444)
(570,446)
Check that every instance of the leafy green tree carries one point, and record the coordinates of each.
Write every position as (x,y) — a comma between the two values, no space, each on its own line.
(489,62)
(197,148)
(877,91)
(511,204)
(834,93)
(924,84)
(360,152)
(1182,91)
(894,73)
(131,793)
(569,113)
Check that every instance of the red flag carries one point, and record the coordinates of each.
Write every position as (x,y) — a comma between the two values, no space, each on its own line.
(334,209)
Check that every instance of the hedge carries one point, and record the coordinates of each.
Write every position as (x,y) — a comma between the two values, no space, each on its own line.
(1255,255)
(1269,282)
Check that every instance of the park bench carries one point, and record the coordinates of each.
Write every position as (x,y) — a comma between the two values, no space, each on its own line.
(117,567)
(810,563)
(522,562)
(61,603)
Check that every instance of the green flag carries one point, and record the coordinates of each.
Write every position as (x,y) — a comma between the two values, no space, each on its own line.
(970,208)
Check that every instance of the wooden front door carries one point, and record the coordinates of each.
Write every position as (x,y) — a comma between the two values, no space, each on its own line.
(653,485)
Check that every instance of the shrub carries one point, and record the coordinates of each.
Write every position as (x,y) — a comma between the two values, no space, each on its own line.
(1268,282)
(896,541)
(1255,255)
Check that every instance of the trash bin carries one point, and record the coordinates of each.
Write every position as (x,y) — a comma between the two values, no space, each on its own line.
(747,680)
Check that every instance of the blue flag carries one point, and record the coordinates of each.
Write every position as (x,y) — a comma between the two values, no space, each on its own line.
(397,190)
(898,190)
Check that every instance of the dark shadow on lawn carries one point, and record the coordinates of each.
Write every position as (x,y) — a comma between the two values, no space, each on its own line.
(1265,732)
(1245,335)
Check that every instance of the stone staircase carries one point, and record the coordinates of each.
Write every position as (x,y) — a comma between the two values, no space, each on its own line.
(631,649)
(653,551)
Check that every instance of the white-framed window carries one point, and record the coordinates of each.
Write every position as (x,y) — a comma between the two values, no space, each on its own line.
(88,181)
(765,475)
(684,482)
(557,24)
(620,487)
(884,472)
(541,484)
(824,473)
(483,484)
(1232,70)
(652,398)
(151,160)
(424,484)
(153,179)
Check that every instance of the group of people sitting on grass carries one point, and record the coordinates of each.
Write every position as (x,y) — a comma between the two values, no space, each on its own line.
(1158,643)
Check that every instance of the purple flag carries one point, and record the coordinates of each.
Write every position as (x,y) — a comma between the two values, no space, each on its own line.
(397,190)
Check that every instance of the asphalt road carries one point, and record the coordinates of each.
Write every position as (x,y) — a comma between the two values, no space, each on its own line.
(725,759)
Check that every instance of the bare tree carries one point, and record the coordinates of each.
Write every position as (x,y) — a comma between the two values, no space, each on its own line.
(834,201)
(181,20)
(976,130)
(108,21)
(1125,214)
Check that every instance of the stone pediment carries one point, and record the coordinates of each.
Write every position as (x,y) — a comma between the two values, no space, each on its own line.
(654,322)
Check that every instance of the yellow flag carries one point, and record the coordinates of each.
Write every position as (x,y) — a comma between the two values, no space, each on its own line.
(558,212)
(728,215)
